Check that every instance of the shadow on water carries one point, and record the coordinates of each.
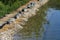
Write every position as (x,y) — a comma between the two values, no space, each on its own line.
(54,4)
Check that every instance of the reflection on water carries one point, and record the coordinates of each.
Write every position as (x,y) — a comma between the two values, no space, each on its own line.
(34,27)
(52,31)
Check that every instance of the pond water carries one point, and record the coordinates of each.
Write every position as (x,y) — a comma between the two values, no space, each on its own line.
(44,26)
(52,30)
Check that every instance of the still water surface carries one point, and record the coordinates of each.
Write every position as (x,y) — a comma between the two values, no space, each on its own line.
(52,30)
(49,31)
(44,26)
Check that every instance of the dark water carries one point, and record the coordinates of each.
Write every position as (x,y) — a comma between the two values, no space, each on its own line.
(44,26)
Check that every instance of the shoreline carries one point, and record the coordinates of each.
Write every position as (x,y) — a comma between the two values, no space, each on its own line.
(12,28)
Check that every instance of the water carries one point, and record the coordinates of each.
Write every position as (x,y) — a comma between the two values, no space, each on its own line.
(44,26)
(52,30)
(33,29)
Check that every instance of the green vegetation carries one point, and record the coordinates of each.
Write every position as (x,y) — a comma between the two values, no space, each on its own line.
(6,6)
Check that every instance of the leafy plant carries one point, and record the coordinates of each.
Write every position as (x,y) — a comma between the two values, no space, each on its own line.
(7,6)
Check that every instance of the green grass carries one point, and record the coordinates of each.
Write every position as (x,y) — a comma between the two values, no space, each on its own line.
(9,7)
